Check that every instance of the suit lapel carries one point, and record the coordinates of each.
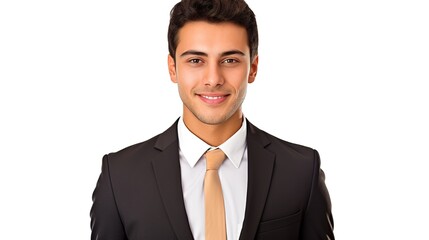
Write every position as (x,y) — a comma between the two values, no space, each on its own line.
(260,168)
(167,172)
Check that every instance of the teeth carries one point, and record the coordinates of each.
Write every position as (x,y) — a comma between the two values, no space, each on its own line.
(212,97)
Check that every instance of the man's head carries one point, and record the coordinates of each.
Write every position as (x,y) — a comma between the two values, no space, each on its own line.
(213,56)
(213,11)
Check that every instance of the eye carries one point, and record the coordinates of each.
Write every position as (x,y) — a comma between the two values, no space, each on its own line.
(229,61)
(195,61)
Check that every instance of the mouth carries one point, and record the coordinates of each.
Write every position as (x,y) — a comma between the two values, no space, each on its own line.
(213,98)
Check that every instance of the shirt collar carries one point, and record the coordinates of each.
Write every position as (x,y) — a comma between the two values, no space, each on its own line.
(193,148)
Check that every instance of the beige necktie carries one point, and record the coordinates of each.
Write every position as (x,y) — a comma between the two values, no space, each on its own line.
(215,209)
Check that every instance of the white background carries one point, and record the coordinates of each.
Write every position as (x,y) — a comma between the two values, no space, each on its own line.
(83,78)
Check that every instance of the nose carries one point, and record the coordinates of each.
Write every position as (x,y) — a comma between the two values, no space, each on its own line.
(213,75)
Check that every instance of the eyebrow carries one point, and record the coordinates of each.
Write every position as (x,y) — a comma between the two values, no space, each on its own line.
(199,53)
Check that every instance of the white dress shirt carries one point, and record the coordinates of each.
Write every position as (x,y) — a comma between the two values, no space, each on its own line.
(232,174)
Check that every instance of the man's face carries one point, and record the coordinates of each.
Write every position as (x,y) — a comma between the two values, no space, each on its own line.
(212,70)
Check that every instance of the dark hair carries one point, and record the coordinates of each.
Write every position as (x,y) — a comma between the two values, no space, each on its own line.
(215,11)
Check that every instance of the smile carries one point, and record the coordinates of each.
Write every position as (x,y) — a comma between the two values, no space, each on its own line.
(212,97)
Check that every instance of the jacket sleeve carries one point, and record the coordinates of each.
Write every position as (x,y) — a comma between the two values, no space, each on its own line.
(318,222)
(106,222)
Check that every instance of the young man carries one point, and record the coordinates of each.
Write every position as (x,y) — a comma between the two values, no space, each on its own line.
(266,188)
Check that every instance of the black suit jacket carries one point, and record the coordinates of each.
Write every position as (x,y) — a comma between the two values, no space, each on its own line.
(139,194)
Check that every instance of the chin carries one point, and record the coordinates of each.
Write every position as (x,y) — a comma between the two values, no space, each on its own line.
(212,120)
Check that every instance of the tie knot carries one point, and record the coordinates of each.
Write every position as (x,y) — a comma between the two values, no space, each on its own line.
(214,159)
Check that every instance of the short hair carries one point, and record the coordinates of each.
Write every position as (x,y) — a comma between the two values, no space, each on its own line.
(213,11)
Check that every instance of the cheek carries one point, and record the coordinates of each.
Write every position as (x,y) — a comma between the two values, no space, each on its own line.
(243,89)
(184,88)
(186,83)
(239,80)
(188,76)
(240,73)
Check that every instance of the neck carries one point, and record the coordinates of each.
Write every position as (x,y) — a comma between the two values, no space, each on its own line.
(214,134)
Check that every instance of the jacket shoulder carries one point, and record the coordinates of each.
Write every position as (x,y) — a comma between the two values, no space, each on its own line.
(279,145)
(147,149)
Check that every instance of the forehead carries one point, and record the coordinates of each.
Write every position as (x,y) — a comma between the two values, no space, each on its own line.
(212,37)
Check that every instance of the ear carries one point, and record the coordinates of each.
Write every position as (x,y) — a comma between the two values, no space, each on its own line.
(253,69)
(172,69)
